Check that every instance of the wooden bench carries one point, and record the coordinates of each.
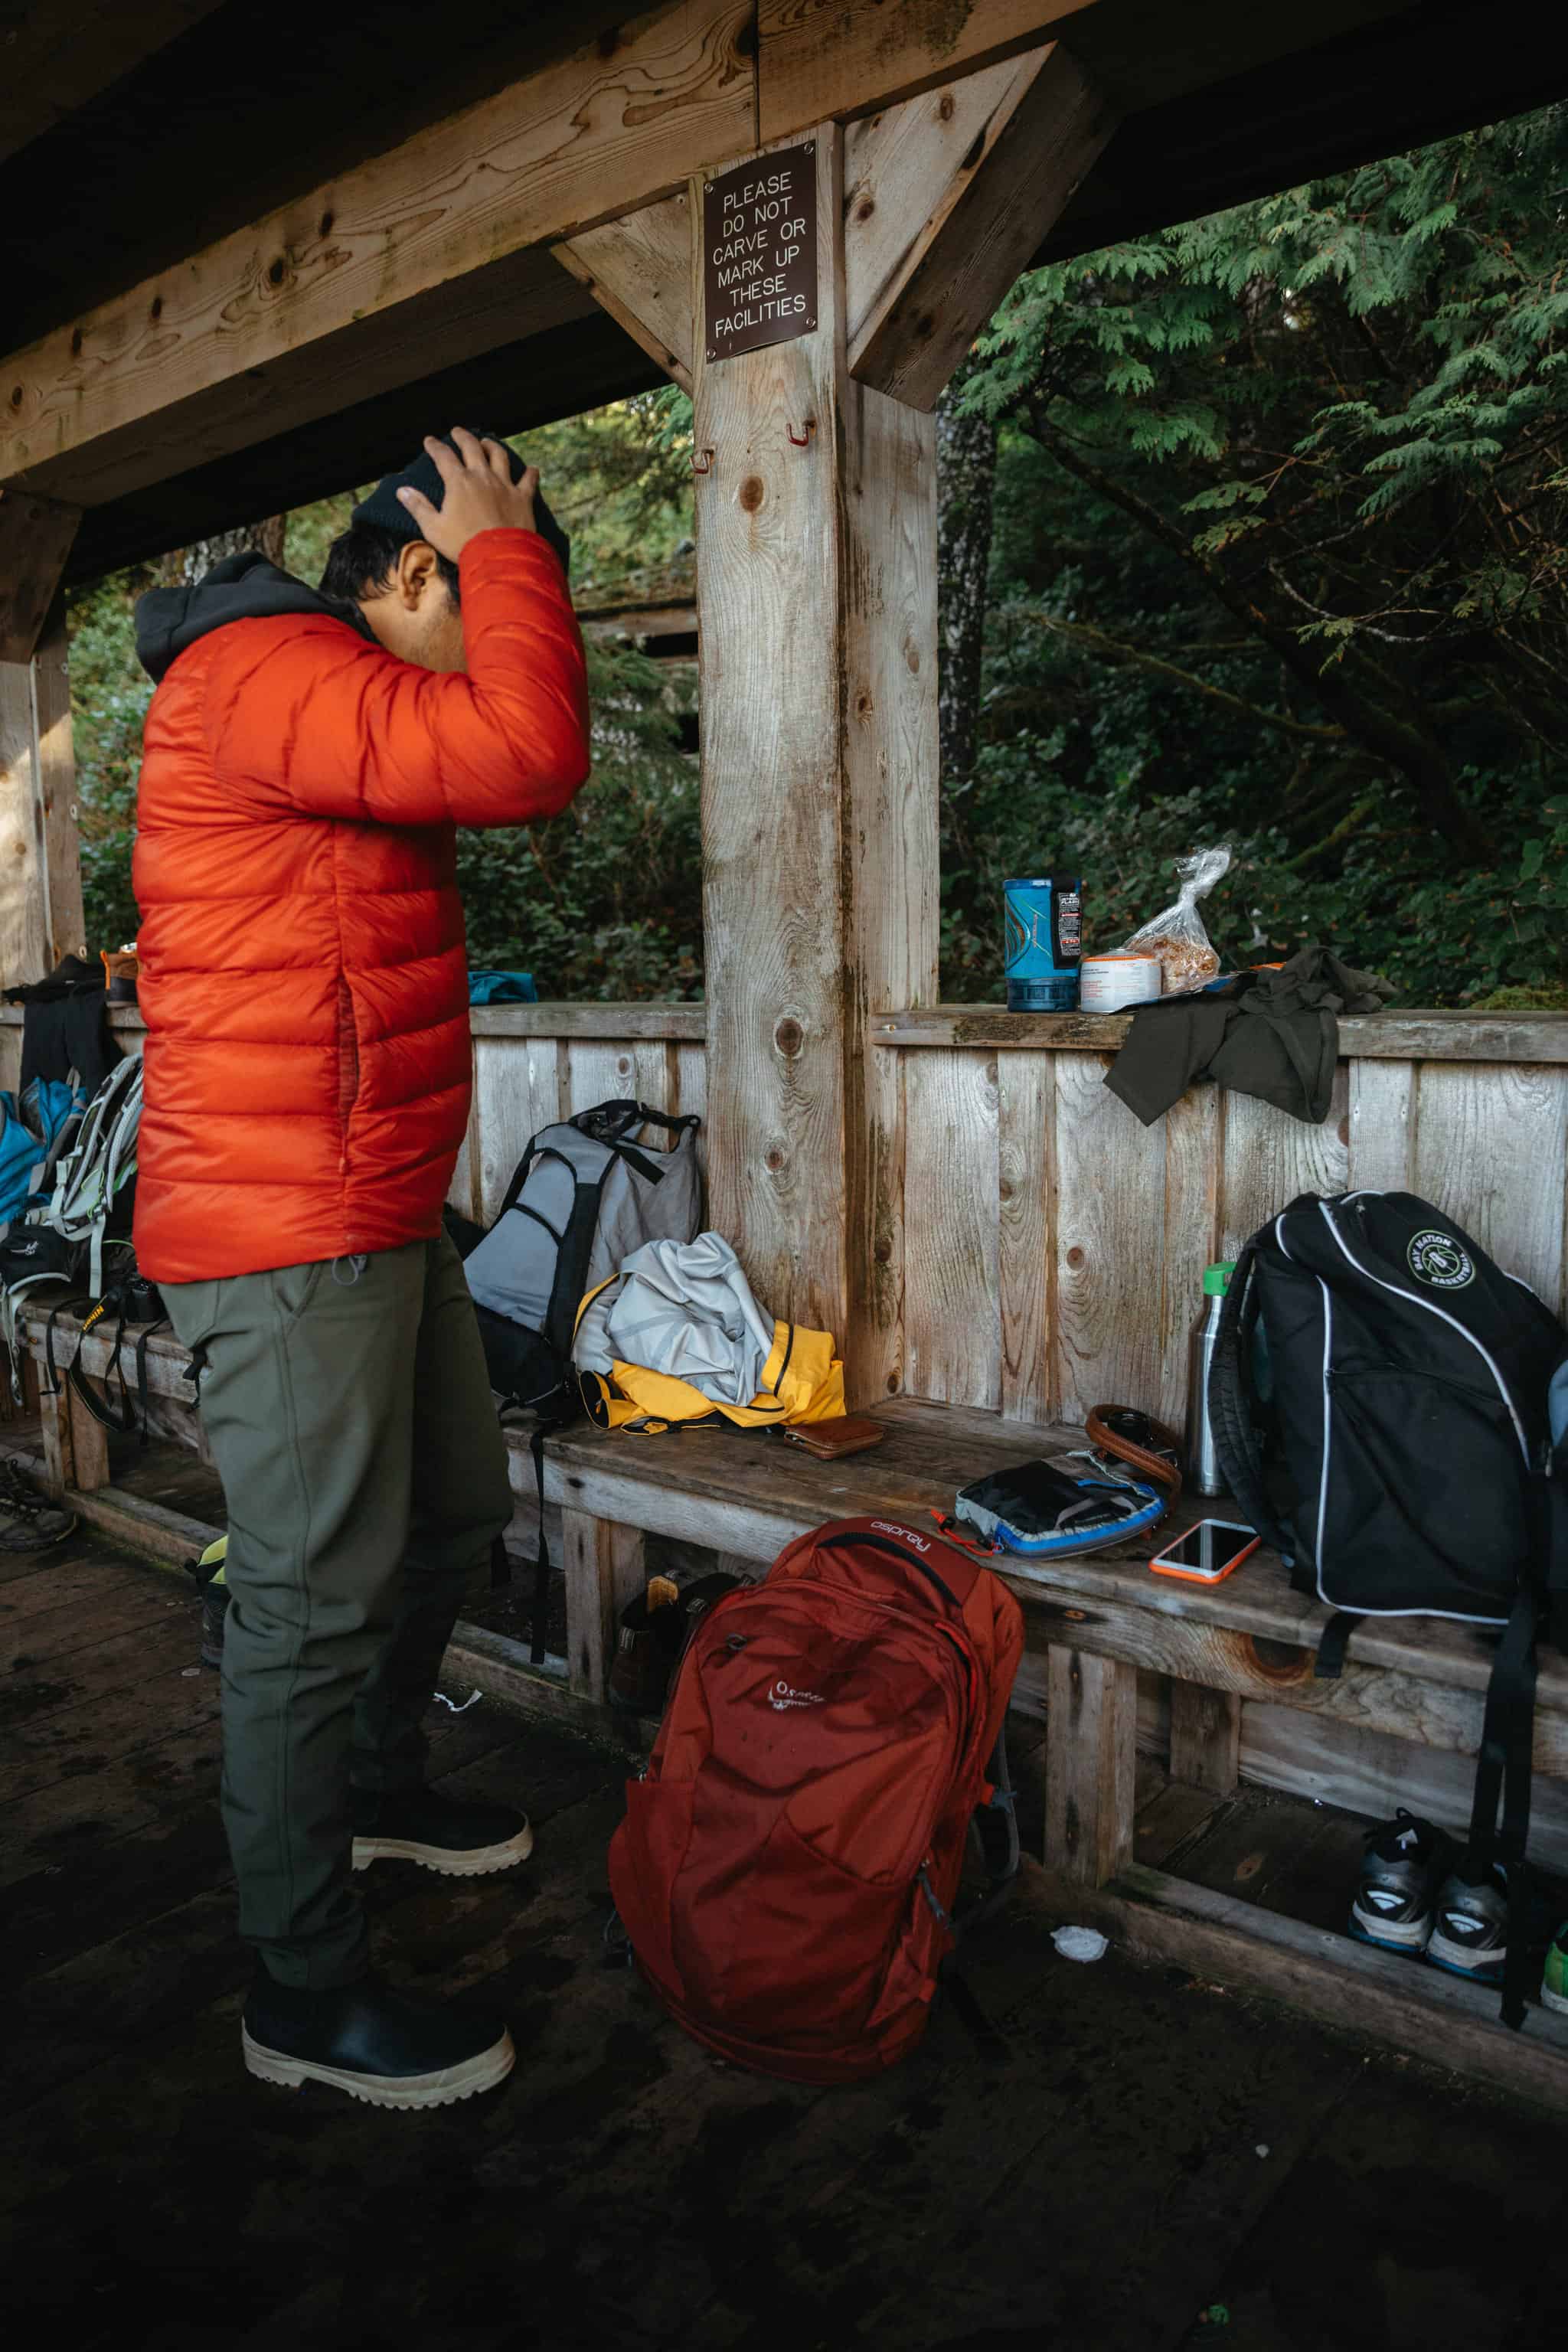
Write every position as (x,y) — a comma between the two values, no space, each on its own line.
(1094,1626)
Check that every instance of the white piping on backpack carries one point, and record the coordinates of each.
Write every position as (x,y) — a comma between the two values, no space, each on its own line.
(1455,1616)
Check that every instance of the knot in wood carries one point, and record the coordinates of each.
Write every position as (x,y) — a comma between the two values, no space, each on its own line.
(789,1036)
(775,1160)
(1277,1661)
(945,110)
(752,492)
(892,1384)
(1075,1256)
(276,271)
(884,1252)
(864,208)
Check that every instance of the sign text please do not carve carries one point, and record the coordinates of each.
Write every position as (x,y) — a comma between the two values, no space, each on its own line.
(759,252)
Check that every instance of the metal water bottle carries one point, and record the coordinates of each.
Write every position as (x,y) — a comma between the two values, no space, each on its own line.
(1203,1474)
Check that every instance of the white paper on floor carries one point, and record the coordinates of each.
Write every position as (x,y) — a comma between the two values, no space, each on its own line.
(472,1700)
(1080,1943)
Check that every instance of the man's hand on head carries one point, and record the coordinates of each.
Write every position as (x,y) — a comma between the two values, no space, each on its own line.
(479,493)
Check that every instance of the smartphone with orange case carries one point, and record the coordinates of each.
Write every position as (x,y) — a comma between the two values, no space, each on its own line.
(1208,1551)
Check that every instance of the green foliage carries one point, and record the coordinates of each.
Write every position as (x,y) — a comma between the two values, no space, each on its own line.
(1309,456)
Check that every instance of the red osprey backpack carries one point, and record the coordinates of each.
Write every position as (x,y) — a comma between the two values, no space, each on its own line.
(787,1868)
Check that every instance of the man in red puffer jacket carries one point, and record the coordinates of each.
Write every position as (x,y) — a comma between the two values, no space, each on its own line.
(304,972)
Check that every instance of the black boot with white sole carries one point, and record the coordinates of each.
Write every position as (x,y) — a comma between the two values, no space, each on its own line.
(444,1833)
(390,2049)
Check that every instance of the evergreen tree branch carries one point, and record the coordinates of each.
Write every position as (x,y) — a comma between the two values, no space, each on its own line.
(1420,762)
(1113,649)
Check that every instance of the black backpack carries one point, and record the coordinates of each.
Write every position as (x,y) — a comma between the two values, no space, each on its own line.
(1383,1396)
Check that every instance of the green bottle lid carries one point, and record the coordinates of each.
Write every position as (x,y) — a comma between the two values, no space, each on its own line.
(1217,1279)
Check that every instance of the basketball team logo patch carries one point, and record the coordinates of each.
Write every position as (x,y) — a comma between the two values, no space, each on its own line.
(1440,1260)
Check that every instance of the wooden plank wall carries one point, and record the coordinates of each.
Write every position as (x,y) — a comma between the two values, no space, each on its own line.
(522,1084)
(1054,1247)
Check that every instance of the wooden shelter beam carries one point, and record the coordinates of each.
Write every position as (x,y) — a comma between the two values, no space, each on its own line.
(418,253)
(850,57)
(980,168)
(844,57)
(58,53)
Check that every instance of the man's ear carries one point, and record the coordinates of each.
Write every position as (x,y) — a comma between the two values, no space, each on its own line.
(416,573)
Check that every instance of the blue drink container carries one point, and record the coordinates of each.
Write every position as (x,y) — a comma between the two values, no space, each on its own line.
(1043,920)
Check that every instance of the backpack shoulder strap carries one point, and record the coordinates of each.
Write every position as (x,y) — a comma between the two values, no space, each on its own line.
(1231,1398)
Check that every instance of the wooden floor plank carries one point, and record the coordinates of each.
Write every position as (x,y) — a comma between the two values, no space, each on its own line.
(77,1575)
(74,1900)
(98,1670)
(74,1743)
(87,2010)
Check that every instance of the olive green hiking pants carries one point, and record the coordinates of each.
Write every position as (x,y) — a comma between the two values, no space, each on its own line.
(351,1417)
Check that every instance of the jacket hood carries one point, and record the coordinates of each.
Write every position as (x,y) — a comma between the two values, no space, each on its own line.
(243,587)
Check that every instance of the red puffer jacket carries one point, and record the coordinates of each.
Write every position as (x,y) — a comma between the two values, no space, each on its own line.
(303,971)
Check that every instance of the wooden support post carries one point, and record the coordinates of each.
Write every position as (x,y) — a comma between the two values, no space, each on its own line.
(40,870)
(603,1572)
(1205,1738)
(35,537)
(817,591)
(816,599)
(53,1422)
(89,1445)
(1091,1724)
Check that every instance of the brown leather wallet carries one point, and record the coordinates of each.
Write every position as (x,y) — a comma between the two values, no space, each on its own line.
(851,1433)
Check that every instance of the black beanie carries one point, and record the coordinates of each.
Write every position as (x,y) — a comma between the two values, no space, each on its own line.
(386,510)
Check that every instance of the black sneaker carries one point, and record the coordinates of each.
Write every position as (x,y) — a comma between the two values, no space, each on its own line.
(1469,1933)
(1395,1897)
(390,2049)
(30,1521)
(444,1833)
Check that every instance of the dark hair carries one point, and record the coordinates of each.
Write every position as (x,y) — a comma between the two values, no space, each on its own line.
(363,561)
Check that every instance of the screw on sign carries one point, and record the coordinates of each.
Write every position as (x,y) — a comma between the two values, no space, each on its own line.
(759,252)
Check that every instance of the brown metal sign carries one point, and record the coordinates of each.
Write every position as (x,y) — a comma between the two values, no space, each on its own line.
(759,252)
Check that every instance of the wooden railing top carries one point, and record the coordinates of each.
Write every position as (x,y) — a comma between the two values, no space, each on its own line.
(682,1023)
(1394,1036)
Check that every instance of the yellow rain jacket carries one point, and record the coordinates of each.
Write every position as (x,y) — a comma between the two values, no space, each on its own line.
(687,1310)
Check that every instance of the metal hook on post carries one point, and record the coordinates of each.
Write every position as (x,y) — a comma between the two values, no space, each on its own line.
(706,464)
(803,440)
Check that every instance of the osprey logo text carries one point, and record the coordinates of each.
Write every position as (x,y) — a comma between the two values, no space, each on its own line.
(905,1535)
(782,1696)
(1439,1259)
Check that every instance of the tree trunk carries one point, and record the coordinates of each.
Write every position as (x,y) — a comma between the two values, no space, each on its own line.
(966,478)
(186,565)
